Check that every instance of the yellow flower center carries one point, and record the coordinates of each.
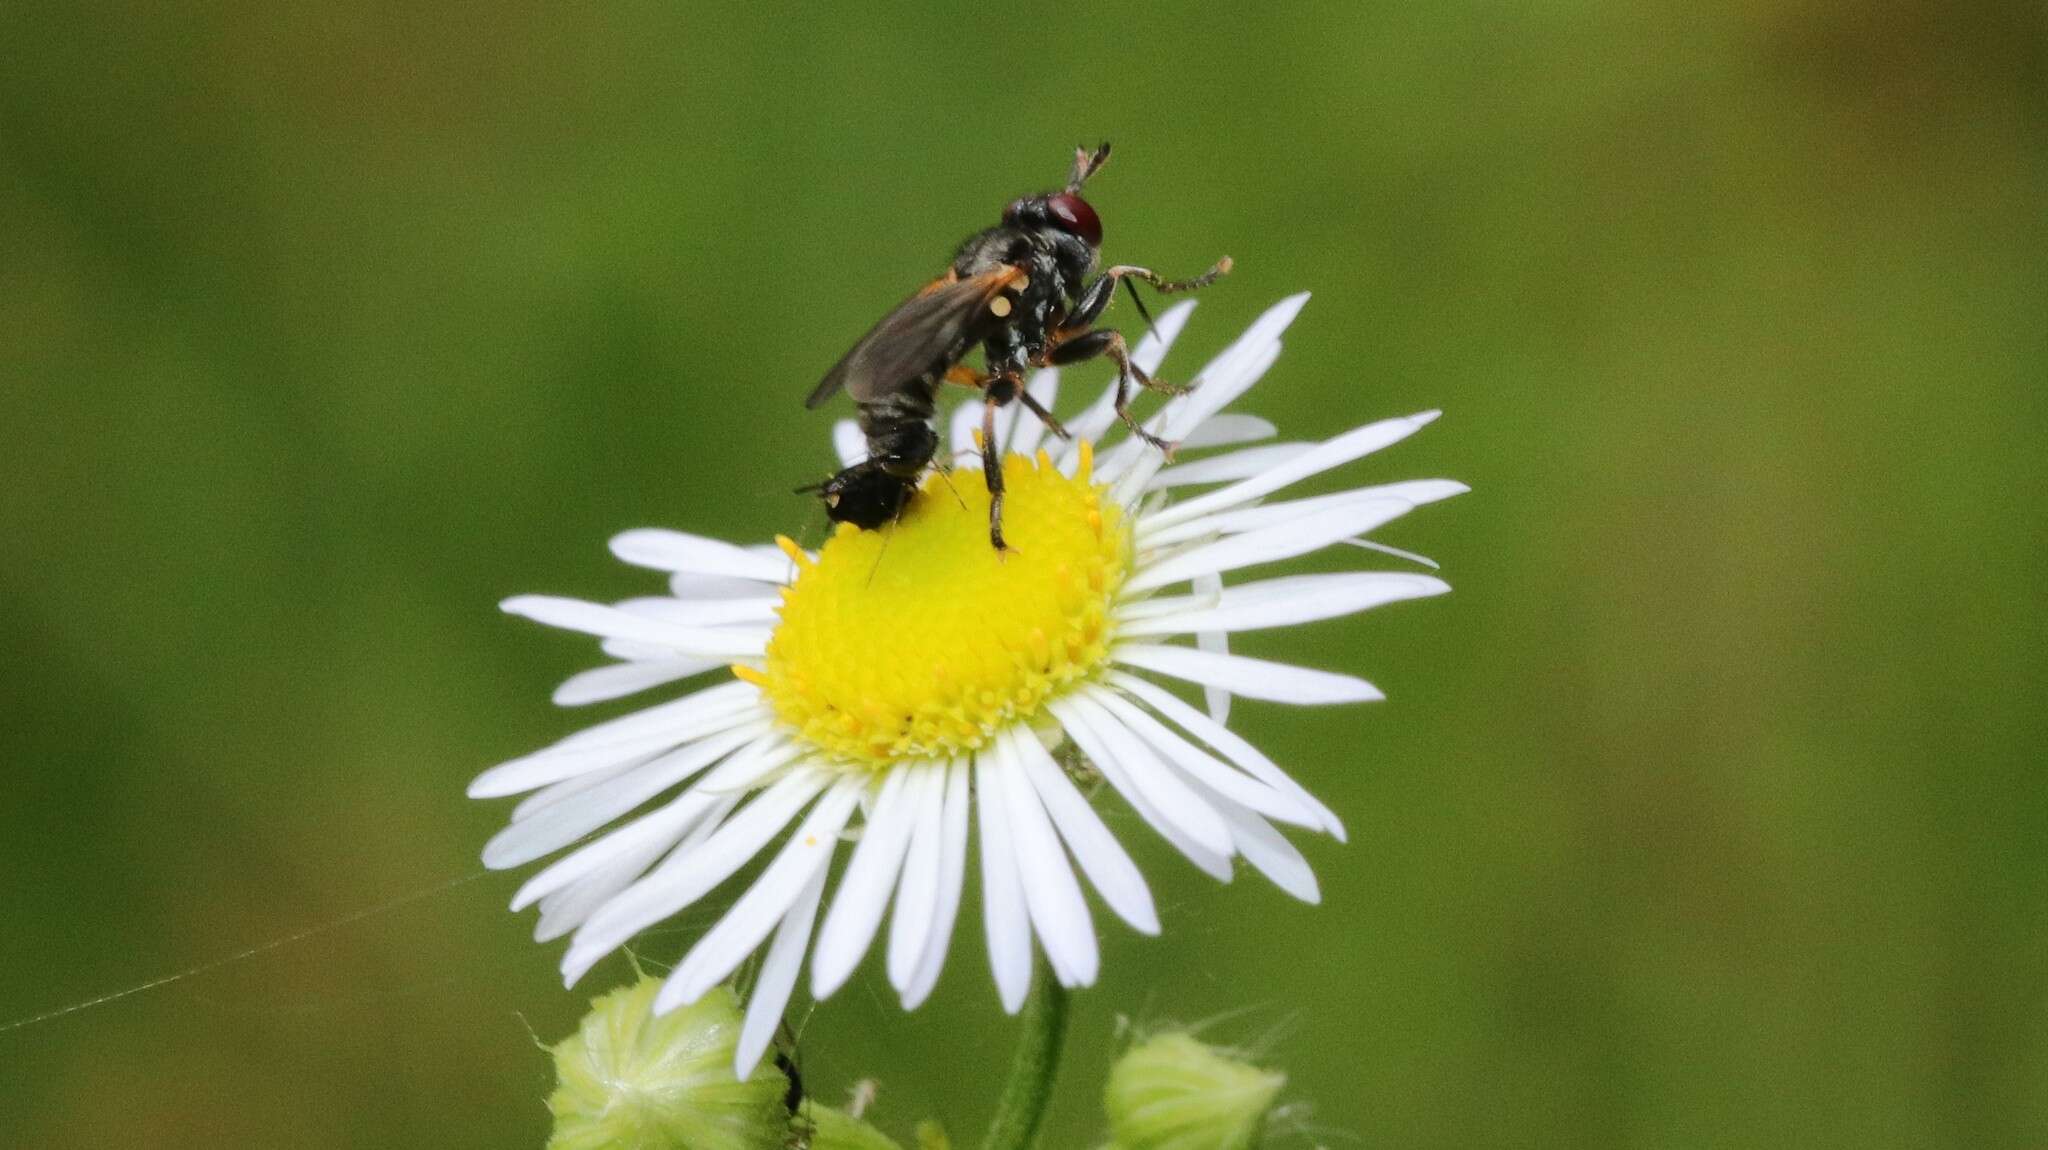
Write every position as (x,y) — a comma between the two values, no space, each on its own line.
(919,640)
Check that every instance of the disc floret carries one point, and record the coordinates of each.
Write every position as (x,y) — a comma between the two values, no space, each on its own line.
(921,641)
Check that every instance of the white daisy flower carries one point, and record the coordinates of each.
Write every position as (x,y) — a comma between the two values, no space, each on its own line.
(912,682)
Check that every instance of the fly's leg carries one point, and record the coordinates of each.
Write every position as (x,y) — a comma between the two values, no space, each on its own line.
(1038,409)
(1094,298)
(992,472)
(962,375)
(1110,342)
(1166,286)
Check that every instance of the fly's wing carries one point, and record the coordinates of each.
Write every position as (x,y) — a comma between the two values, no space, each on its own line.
(925,332)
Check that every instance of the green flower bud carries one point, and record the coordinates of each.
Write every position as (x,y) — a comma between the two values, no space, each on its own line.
(627,1080)
(1171,1092)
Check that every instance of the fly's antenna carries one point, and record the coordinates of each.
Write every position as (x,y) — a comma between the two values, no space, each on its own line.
(1086,164)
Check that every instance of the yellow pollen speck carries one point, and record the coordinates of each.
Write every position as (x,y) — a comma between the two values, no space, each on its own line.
(920,641)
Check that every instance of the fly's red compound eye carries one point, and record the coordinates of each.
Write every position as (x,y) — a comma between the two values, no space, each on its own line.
(1074,215)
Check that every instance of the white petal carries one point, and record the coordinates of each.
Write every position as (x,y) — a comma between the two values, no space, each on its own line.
(1286,540)
(1353,444)
(690,585)
(687,876)
(563,823)
(1227,430)
(1216,641)
(1029,432)
(1285,602)
(777,978)
(678,718)
(851,447)
(706,612)
(917,892)
(607,745)
(1393,499)
(1051,893)
(617,680)
(864,889)
(1269,853)
(1225,742)
(566,909)
(965,422)
(1159,796)
(554,793)
(650,834)
(1006,921)
(1233,371)
(666,550)
(745,768)
(534,803)
(1195,764)
(1226,468)
(685,821)
(747,924)
(1252,678)
(631,651)
(559,763)
(1099,855)
(612,623)
(1396,552)
(952,877)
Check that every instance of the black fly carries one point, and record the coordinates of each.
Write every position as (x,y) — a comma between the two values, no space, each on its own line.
(1022,291)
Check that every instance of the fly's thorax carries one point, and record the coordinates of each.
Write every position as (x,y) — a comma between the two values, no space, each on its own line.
(990,249)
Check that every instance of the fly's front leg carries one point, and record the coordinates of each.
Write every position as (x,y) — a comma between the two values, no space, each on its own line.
(1094,298)
(1089,305)
(1166,286)
(1110,342)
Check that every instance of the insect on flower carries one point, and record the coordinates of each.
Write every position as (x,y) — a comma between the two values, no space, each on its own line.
(892,699)
(1022,291)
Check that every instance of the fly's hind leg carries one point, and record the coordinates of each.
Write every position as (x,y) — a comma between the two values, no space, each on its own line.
(1110,342)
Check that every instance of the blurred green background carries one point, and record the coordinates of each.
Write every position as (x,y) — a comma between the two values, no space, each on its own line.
(1706,812)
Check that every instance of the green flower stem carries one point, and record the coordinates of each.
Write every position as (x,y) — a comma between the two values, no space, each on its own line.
(1042,1032)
